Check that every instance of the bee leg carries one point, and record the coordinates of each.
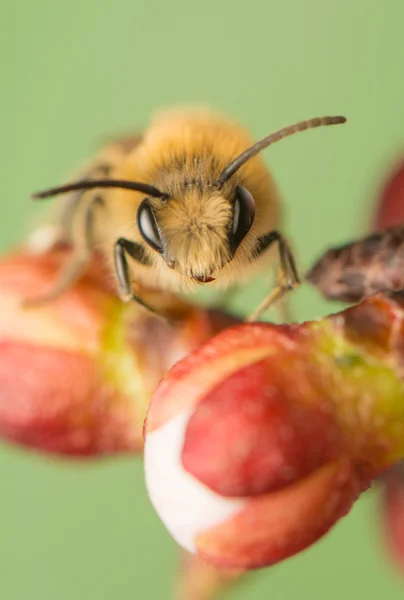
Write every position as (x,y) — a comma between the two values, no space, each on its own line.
(284,310)
(288,277)
(78,262)
(285,313)
(136,251)
(75,200)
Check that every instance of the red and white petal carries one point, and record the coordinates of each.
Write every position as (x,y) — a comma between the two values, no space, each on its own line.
(185,505)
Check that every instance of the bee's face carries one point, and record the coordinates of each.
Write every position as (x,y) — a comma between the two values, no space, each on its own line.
(198,233)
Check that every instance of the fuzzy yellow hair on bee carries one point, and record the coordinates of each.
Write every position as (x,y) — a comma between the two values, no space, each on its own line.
(188,202)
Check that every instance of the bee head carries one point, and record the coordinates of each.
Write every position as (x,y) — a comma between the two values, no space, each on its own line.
(197,234)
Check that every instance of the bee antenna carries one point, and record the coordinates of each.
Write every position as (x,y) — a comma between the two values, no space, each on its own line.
(240,160)
(136,186)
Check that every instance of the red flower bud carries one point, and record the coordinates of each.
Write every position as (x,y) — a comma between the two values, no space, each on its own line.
(257,443)
(77,373)
(242,442)
(390,206)
(393,512)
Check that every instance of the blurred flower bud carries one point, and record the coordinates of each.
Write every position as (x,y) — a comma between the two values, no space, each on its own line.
(77,373)
(258,442)
(390,205)
(393,512)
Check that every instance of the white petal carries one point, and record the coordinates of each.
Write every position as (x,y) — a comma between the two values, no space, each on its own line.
(186,506)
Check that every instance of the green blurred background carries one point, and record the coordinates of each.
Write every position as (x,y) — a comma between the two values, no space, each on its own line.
(73,71)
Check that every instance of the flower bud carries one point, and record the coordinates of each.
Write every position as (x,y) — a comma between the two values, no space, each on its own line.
(258,442)
(77,372)
(393,512)
(390,205)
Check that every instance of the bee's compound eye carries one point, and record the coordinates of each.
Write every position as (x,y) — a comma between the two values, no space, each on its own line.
(243,215)
(146,221)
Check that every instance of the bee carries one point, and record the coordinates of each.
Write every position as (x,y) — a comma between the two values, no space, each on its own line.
(354,271)
(188,202)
